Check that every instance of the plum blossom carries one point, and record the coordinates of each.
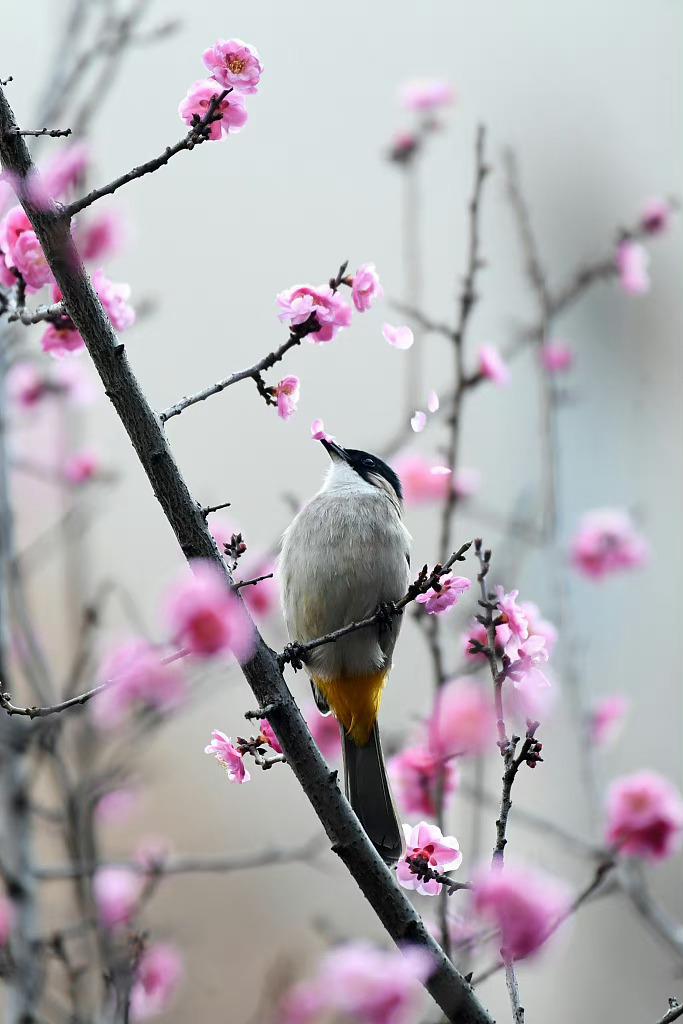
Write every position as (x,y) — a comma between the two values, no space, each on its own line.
(418,421)
(227,755)
(427,95)
(644,816)
(444,595)
(538,626)
(325,731)
(318,432)
(26,385)
(287,397)
(476,632)
(426,844)
(398,337)
(607,718)
(6,919)
(233,113)
(81,468)
(157,978)
(299,303)
(117,892)
(607,542)
(358,983)
(556,356)
(366,288)
(492,366)
(415,773)
(14,224)
(66,168)
(61,341)
(632,263)
(206,617)
(421,484)
(30,261)
(101,237)
(656,216)
(114,298)
(463,721)
(235,65)
(138,678)
(512,613)
(526,907)
(260,598)
(269,736)
(524,669)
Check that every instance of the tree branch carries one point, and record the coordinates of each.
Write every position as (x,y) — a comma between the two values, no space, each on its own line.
(447,986)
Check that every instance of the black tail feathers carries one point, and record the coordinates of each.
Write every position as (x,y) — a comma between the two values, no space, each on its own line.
(367,790)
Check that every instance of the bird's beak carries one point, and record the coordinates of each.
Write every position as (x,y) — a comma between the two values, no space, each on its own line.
(335,451)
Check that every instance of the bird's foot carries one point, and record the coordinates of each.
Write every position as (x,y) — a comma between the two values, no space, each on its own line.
(294,654)
(385,613)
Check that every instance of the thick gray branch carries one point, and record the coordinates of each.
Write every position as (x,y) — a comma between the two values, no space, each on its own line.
(450,990)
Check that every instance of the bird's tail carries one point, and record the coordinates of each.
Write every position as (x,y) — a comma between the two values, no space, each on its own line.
(367,790)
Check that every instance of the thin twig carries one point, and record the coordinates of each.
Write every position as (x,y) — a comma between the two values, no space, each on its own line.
(53,313)
(673,1013)
(52,133)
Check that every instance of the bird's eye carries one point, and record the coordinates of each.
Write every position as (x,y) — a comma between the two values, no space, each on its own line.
(368,462)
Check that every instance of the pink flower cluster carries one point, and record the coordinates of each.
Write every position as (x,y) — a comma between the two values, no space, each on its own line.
(493,366)
(444,595)
(137,679)
(206,618)
(415,773)
(358,983)
(236,67)
(228,756)
(463,720)
(117,893)
(644,816)
(426,844)
(158,975)
(20,250)
(61,341)
(299,303)
(607,542)
(525,906)
(632,265)
(287,397)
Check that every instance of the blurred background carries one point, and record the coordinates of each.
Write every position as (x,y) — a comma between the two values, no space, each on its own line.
(590,97)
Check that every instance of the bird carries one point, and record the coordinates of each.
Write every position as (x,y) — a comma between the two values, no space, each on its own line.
(344,555)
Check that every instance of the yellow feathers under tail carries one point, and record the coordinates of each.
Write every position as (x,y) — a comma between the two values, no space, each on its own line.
(355,702)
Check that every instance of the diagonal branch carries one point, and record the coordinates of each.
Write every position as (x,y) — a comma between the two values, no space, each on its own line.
(451,991)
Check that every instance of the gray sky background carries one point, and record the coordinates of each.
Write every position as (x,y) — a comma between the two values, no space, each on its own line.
(590,97)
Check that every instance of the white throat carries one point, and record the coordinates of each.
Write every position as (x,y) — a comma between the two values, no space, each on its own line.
(341,479)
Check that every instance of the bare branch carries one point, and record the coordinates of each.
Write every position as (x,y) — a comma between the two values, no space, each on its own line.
(196,135)
(673,1013)
(52,133)
(447,986)
(53,313)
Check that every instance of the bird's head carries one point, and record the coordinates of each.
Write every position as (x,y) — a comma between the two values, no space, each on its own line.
(355,470)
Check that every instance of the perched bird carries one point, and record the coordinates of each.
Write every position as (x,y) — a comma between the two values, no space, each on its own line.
(345,554)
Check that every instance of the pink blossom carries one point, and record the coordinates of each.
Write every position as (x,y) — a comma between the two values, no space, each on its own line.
(227,755)
(325,731)
(644,816)
(418,421)
(30,261)
(527,657)
(115,807)
(420,483)
(530,697)
(656,216)
(466,482)
(444,595)
(269,736)
(299,303)
(477,632)
(556,356)
(260,598)
(425,843)
(632,264)
(157,978)
(398,337)
(607,542)
(287,395)
(138,679)
(318,432)
(14,224)
(234,65)
(358,983)
(427,95)
(116,892)
(512,613)
(206,617)
(415,772)
(432,401)
(26,385)
(101,237)
(492,367)
(607,718)
(538,626)
(8,278)
(61,341)
(366,288)
(463,721)
(81,468)
(6,919)
(66,168)
(114,298)
(233,113)
(526,907)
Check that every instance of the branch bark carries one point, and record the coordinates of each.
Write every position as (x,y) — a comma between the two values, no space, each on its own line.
(450,990)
